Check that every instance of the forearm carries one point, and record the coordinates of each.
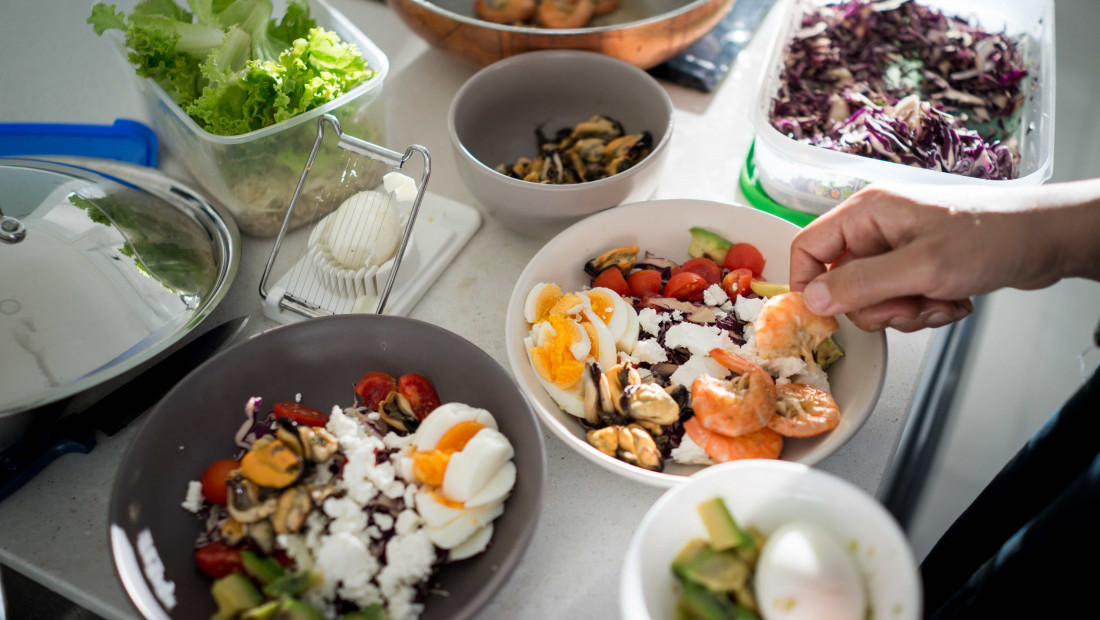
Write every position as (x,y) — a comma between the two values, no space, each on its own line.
(1069,220)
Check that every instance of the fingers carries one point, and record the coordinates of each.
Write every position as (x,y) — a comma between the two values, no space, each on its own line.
(910,314)
(846,231)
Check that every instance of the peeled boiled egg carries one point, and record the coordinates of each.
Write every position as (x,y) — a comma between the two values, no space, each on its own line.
(611,308)
(804,573)
(448,527)
(475,544)
(539,301)
(475,465)
(446,416)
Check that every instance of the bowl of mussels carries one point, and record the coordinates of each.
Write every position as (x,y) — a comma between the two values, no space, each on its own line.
(546,138)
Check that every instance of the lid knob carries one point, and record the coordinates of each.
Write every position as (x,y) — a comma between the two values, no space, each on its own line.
(12,230)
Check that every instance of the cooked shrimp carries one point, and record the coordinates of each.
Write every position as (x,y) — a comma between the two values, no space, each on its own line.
(734,407)
(565,13)
(505,11)
(762,444)
(803,411)
(785,327)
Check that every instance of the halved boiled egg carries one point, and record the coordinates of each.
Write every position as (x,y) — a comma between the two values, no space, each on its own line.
(539,301)
(448,526)
(475,544)
(465,466)
(444,417)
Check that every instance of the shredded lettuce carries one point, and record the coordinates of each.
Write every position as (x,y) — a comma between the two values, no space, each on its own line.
(230,65)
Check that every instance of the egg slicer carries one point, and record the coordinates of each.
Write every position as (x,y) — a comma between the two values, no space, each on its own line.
(347,256)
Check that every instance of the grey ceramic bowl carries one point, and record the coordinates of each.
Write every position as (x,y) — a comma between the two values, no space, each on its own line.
(494,117)
(152,535)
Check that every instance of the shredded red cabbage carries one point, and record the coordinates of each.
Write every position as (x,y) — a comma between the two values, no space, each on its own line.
(899,81)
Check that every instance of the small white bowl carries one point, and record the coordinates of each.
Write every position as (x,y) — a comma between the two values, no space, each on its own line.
(661,227)
(494,116)
(767,494)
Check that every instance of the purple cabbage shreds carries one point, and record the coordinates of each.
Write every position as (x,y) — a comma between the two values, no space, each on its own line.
(852,62)
(735,327)
(669,439)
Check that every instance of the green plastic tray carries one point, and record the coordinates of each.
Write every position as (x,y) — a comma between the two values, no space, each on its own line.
(756,197)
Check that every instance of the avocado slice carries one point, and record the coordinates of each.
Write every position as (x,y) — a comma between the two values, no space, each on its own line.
(709,244)
(769,289)
(290,585)
(724,531)
(700,604)
(827,353)
(265,611)
(374,611)
(260,567)
(235,593)
(293,609)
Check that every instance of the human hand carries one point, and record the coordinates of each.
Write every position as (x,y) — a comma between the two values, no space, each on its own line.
(901,257)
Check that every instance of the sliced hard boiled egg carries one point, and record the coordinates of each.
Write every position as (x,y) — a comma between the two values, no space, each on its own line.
(458,531)
(609,306)
(497,488)
(442,418)
(539,301)
(475,544)
(436,511)
(471,469)
(633,327)
(603,345)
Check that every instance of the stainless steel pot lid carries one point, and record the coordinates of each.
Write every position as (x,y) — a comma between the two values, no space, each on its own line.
(103,265)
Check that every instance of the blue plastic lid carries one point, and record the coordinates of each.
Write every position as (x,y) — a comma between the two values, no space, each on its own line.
(125,140)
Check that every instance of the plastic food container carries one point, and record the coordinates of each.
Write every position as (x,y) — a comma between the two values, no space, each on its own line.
(814,179)
(254,174)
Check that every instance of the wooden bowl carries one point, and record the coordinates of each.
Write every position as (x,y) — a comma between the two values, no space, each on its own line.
(644,33)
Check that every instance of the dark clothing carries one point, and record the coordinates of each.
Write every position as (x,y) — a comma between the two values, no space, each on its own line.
(1029,545)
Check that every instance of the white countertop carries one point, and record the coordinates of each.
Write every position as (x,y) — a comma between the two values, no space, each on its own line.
(55,69)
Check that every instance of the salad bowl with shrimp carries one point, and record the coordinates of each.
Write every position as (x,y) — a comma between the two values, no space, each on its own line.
(659,338)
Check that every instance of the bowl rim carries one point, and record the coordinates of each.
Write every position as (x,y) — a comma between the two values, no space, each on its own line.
(563,56)
(517,362)
(630,575)
(135,579)
(557,32)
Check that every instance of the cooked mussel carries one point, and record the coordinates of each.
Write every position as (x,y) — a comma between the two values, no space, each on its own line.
(291,510)
(651,403)
(245,500)
(397,412)
(631,443)
(623,258)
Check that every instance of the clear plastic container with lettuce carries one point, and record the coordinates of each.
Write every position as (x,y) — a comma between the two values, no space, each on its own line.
(235,88)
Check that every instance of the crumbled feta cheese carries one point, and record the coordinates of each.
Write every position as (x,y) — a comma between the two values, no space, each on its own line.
(650,351)
(298,397)
(347,567)
(650,320)
(696,366)
(193,500)
(374,416)
(407,521)
(677,316)
(409,560)
(689,453)
(373,532)
(817,378)
(714,295)
(393,441)
(747,308)
(697,339)
(383,520)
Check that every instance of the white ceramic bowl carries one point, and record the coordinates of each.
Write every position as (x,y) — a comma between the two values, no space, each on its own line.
(767,494)
(661,227)
(493,118)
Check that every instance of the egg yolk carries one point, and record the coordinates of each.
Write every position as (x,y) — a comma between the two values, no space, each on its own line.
(548,296)
(602,305)
(564,304)
(430,465)
(553,360)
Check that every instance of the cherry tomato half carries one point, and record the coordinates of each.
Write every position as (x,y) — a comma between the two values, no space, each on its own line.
(420,393)
(745,255)
(217,560)
(686,285)
(301,414)
(737,282)
(214,479)
(613,279)
(645,283)
(374,387)
(705,267)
